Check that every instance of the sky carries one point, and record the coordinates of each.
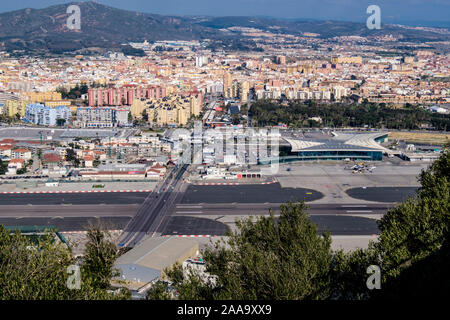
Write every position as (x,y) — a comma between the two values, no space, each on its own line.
(431,12)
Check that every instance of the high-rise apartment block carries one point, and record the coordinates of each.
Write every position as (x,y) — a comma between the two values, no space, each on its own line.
(40,114)
(173,110)
(244,89)
(124,95)
(227,82)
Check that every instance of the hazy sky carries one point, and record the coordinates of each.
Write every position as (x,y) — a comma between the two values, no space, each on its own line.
(392,11)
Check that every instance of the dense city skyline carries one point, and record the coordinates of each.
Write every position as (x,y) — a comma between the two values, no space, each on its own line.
(232,153)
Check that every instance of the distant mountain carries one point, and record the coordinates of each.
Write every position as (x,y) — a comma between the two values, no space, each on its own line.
(101,26)
(328,29)
(106,27)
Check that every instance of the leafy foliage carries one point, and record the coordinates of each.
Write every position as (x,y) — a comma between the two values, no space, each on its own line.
(72,157)
(418,228)
(285,258)
(36,269)
(73,93)
(296,114)
(349,273)
(270,258)
(99,257)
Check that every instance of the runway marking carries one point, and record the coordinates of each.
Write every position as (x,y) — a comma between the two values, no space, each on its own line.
(228,183)
(190,212)
(189,235)
(70,191)
(188,207)
(355,206)
(359,211)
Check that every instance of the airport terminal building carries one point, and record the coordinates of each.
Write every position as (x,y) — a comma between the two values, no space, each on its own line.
(339,146)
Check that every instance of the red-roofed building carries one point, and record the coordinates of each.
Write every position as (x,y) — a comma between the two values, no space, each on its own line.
(51,160)
(21,153)
(6,151)
(160,168)
(16,163)
(88,161)
(100,154)
(118,175)
(7,141)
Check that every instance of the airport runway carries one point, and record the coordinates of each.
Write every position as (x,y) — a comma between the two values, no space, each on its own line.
(247,193)
(51,211)
(199,219)
(263,208)
(382,194)
(339,219)
(73,198)
(271,193)
(70,223)
(183,215)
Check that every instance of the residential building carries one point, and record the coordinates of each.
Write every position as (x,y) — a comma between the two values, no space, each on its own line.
(34,97)
(40,114)
(21,153)
(96,117)
(124,95)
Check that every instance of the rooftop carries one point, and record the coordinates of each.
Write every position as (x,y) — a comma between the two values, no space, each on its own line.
(339,141)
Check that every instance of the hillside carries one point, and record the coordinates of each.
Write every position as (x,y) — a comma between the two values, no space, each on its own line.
(101,26)
(106,27)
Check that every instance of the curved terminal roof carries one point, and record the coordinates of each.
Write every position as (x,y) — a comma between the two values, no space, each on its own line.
(340,141)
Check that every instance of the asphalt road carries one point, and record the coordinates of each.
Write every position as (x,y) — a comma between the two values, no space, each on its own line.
(150,215)
(251,193)
(336,225)
(50,211)
(345,225)
(382,194)
(339,219)
(69,223)
(194,226)
(207,209)
(73,198)
(169,210)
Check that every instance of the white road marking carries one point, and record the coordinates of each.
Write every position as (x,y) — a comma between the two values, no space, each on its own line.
(191,212)
(358,211)
(187,207)
(355,206)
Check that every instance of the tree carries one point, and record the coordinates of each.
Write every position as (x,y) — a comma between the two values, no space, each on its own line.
(60,122)
(96,162)
(145,115)
(159,291)
(3,167)
(98,260)
(413,250)
(235,119)
(418,230)
(285,258)
(37,268)
(270,258)
(84,88)
(348,273)
(21,171)
(72,157)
